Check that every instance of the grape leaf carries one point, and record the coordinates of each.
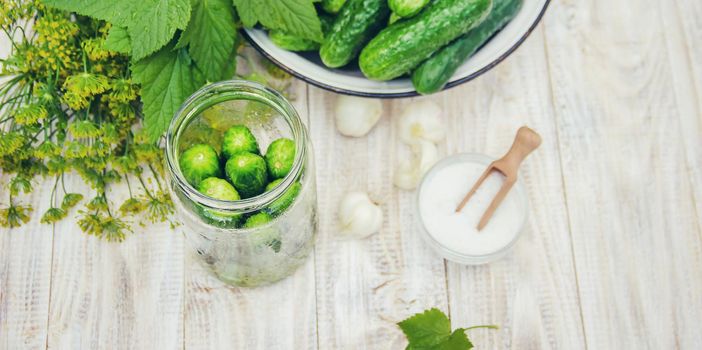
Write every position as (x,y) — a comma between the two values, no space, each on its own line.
(297,17)
(118,40)
(150,23)
(427,329)
(167,78)
(210,36)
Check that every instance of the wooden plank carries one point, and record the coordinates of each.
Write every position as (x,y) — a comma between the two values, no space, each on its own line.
(365,286)
(636,239)
(125,295)
(25,270)
(683,25)
(532,292)
(279,316)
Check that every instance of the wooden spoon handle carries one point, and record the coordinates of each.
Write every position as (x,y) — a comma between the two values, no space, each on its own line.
(526,141)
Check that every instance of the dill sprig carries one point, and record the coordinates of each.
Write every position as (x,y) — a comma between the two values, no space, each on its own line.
(68,106)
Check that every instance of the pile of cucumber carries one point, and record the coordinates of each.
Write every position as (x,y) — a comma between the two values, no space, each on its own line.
(241,171)
(427,39)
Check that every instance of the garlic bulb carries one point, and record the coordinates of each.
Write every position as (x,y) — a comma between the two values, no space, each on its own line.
(410,171)
(356,116)
(421,120)
(359,217)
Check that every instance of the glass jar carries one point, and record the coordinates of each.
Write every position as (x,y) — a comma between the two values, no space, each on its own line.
(489,246)
(235,254)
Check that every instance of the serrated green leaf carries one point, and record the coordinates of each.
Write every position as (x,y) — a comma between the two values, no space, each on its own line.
(456,341)
(297,17)
(167,78)
(151,24)
(246,9)
(117,12)
(210,36)
(154,23)
(118,40)
(427,329)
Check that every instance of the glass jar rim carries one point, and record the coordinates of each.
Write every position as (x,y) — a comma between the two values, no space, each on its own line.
(238,90)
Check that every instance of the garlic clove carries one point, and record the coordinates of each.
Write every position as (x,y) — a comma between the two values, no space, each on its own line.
(421,120)
(409,172)
(358,216)
(356,116)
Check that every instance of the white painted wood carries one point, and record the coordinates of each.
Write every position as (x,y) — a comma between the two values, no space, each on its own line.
(279,316)
(531,293)
(636,238)
(365,286)
(25,274)
(683,25)
(106,295)
(611,256)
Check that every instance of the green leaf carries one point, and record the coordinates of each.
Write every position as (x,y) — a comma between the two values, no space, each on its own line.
(154,23)
(167,78)
(456,341)
(117,12)
(297,17)
(150,23)
(427,329)
(210,36)
(118,40)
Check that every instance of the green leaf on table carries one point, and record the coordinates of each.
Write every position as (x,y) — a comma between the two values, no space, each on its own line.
(456,341)
(297,17)
(167,78)
(118,40)
(211,36)
(427,329)
(150,23)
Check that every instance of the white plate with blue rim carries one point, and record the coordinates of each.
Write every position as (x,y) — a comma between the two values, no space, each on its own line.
(349,80)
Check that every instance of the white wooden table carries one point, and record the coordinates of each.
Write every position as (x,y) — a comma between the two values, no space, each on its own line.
(612,256)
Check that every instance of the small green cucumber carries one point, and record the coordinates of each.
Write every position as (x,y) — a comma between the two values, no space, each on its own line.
(407,8)
(433,74)
(356,23)
(402,46)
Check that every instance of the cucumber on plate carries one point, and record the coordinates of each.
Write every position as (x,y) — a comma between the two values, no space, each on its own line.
(402,46)
(433,74)
(355,25)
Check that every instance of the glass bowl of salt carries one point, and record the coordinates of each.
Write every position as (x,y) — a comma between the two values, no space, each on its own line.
(454,235)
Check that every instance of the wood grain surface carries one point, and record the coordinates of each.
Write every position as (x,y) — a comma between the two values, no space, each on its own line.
(610,258)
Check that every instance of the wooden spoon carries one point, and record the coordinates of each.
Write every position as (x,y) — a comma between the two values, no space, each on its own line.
(525,142)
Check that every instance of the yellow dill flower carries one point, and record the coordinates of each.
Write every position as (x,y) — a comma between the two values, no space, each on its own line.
(90,224)
(123,90)
(47,149)
(83,129)
(95,49)
(52,215)
(109,133)
(44,93)
(75,149)
(56,165)
(75,101)
(30,114)
(132,206)
(86,84)
(10,142)
(70,200)
(14,215)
